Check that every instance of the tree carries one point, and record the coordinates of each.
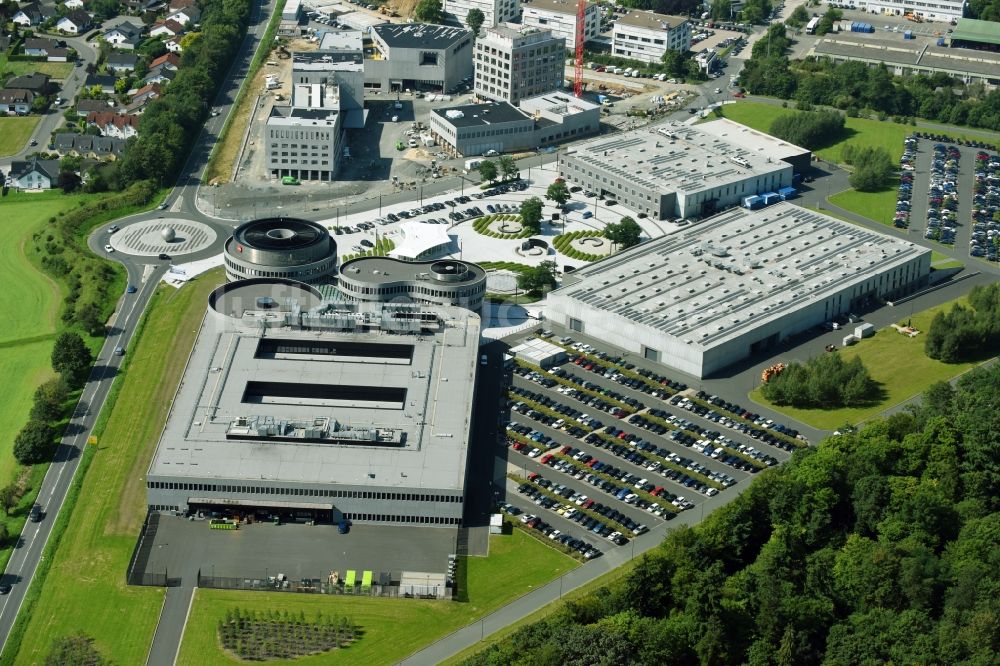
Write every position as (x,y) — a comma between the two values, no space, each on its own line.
(429,11)
(50,400)
(71,358)
(9,497)
(488,170)
(873,169)
(474,19)
(33,443)
(558,192)
(798,17)
(830,17)
(531,214)
(537,279)
(75,650)
(625,233)
(508,167)
(721,9)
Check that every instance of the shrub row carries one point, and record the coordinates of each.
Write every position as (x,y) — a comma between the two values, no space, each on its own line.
(564,244)
(482,226)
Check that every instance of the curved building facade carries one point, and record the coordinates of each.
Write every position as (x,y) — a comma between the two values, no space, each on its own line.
(281,247)
(441,282)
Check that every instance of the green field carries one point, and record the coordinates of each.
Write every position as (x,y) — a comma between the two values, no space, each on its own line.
(896,361)
(15,132)
(391,628)
(56,70)
(878,206)
(85,589)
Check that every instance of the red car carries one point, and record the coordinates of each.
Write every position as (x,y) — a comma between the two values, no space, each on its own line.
(518,446)
(739,95)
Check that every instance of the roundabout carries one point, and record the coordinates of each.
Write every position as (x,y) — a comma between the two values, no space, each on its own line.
(172,236)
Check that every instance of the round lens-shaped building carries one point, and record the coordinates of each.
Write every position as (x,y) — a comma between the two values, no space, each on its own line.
(281,247)
(441,282)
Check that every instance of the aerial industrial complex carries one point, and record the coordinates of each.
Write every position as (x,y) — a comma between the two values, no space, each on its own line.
(681,171)
(306,409)
(447,282)
(281,247)
(738,283)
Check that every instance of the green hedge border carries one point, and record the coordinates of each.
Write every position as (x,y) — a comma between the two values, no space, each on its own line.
(482,226)
(563,243)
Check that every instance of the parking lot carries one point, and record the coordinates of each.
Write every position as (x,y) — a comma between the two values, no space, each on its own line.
(181,547)
(603,450)
(950,194)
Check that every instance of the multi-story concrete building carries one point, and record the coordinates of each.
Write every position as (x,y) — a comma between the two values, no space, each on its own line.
(306,409)
(304,143)
(343,68)
(646,36)
(938,10)
(474,129)
(739,283)
(494,11)
(513,62)
(676,170)
(418,56)
(442,282)
(559,16)
(281,247)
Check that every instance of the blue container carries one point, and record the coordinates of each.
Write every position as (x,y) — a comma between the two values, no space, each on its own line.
(787,193)
(770,198)
(752,202)
(940,41)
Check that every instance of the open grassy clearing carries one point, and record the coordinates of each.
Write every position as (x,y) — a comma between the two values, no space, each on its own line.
(896,361)
(391,628)
(878,206)
(85,589)
(56,70)
(15,132)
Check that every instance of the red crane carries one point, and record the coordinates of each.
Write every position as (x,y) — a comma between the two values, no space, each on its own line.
(581,17)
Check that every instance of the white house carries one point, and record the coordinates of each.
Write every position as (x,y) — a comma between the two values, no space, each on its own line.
(168,28)
(27,16)
(74,22)
(173,45)
(16,100)
(646,36)
(34,174)
(186,16)
(123,36)
(117,125)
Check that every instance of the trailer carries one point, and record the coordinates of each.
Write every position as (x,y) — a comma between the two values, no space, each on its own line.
(753,202)
(770,198)
(787,193)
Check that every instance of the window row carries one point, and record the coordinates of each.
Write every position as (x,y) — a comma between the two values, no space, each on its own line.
(310,492)
(385,518)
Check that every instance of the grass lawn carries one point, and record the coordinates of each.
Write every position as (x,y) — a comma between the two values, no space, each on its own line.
(391,628)
(56,70)
(878,206)
(15,132)
(895,360)
(85,589)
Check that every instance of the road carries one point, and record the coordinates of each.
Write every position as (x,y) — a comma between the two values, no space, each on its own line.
(145,276)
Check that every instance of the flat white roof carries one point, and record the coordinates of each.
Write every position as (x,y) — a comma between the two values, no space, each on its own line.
(537,351)
(341,40)
(755,142)
(734,272)
(420,237)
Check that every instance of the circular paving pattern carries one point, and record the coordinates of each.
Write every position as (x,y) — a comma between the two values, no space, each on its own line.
(149,238)
(591,245)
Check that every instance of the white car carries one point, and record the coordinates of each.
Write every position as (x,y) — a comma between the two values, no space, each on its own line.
(109,249)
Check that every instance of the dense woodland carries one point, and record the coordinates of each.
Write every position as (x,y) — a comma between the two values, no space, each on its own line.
(824,381)
(967,333)
(853,86)
(875,547)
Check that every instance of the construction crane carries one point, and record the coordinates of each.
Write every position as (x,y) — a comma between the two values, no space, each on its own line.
(581,16)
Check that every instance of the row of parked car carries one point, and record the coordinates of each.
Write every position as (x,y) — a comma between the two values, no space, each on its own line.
(942,195)
(572,416)
(907,165)
(985,239)
(570,511)
(753,424)
(708,442)
(580,395)
(587,550)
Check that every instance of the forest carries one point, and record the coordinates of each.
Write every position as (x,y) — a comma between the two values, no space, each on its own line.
(853,86)
(877,546)
(967,333)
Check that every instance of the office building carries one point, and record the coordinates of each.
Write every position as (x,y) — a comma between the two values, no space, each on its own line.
(674,171)
(418,56)
(936,10)
(340,67)
(545,120)
(646,36)
(443,282)
(305,143)
(513,62)
(738,283)
(317,410)
(281,247)
(494,11)
(559,16)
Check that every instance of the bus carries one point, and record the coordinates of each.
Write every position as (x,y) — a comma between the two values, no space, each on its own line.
(811,26)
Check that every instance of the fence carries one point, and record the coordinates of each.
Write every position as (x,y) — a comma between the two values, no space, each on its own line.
(140,555)
(323,586)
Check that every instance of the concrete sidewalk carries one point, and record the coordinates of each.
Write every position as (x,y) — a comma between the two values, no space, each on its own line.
(170,628)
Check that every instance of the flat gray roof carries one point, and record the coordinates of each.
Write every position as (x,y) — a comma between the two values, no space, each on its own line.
(735,271)
(383,270)
(897,53)
(650,20)
(756,142)
(674,158)
(250,368)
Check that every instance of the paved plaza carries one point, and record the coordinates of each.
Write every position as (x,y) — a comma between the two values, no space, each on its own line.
(173,236)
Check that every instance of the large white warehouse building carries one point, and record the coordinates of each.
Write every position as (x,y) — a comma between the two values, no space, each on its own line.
(738,283)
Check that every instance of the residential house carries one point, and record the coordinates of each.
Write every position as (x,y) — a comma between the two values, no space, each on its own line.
(173,45)
(168,28)
(142,97)
(170,61)
(186,16)
(87,146)
(104,82)
(139,5)
(37,83)
(124,36)
(48,12)
(34,174)
(27,16)
(85,107)
(16,101)
(118,125)
(161,76)
(74,22)
(49,49)
(122,63)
